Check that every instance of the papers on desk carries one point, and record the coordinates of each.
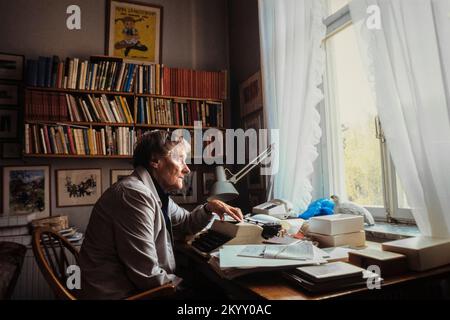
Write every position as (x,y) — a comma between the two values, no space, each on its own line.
(301,250)
(230,257)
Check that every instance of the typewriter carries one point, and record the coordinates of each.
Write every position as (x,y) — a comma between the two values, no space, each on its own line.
(228,233)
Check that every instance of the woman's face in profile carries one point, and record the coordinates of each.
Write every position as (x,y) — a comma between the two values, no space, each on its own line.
(172,169)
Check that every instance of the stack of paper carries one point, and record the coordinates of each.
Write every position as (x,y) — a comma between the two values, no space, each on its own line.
(331,276)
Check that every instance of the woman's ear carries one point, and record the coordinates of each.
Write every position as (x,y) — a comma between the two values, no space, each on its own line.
(154,164)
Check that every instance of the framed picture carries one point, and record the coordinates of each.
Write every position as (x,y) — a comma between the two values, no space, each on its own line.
(208,180)
(254,178)
(250,94)
(26,189)
(9,95)
(134,31)
(189,192)
(118,174)
(11,67)
(11,150)
(78,187)
(9,122)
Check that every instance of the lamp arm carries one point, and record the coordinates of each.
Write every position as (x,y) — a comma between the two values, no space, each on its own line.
(252,164)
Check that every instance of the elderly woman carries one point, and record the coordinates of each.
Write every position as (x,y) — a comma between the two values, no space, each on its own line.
(129,240)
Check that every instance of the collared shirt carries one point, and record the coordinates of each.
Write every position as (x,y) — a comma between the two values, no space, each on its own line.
(127,248)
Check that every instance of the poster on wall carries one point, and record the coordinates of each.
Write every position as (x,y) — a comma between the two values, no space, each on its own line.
(134,31)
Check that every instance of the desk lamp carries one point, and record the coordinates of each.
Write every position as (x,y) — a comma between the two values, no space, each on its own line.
(223,189)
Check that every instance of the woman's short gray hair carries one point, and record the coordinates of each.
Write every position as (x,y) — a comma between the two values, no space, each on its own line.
(156,144)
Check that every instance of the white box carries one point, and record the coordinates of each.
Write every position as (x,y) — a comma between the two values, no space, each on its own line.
(422,252)
(336,224)
(354,239)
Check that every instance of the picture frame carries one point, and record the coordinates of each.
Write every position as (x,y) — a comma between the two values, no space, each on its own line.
(11,67)
(78,187)
(26,190)
(118,174)
(189,192)
(134,31)
(250,94)
(9,95)
(9,123)
(11,150)
(208,180)
(254,179)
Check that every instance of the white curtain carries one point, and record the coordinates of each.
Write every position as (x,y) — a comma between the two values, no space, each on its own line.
(292,63)
(408,61)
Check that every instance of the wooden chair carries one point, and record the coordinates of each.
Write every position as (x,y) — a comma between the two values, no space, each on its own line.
(55,253)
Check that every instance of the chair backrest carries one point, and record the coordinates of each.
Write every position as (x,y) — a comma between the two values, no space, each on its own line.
(53,254)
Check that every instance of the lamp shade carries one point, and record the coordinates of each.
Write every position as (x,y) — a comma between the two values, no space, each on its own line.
(222,189)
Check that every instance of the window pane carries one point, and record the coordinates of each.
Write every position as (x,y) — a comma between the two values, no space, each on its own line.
(356,109)
(401,196)
(335,5)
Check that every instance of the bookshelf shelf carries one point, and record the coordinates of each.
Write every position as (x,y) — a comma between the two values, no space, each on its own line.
(119,93)
(80,124)
(35,155)
(61,90)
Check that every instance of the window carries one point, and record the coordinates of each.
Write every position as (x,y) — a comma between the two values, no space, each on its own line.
(359,166)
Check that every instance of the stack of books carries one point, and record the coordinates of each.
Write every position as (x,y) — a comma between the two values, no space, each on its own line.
(329,277)
(338,230)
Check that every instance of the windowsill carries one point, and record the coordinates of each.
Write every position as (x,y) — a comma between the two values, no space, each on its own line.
(383,231)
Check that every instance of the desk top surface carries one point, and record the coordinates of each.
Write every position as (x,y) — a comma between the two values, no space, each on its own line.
(272,286)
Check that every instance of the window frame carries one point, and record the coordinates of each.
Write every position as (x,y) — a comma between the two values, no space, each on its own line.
(332,146)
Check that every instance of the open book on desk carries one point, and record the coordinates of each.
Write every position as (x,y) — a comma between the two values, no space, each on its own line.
(230,258)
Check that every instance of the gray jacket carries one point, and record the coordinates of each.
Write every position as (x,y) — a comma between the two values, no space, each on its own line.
(127,248)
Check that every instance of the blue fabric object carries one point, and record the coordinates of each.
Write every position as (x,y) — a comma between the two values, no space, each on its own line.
(320,207)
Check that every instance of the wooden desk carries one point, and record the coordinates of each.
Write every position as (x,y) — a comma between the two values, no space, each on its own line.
(272,286)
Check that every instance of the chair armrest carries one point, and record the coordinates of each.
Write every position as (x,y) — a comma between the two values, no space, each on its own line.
(166,290)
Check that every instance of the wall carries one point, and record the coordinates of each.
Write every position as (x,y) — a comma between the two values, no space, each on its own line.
(194,36)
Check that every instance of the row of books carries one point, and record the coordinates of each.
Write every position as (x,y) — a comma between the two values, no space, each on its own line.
(50,106)
(70,140)
(182,82)
(178,112)
(113,74)
(74,73)
(46,106)
(99,109)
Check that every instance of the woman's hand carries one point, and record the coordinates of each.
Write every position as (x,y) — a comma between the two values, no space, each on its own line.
(221,208)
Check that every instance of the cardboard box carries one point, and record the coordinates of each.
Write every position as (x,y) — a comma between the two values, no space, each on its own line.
(422,252)
(390,263)
(354,239)
(336,224)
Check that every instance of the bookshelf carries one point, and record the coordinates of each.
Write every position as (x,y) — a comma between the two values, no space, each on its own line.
(100,108)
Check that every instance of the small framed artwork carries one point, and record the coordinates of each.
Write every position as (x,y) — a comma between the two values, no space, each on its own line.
(134,31)
(8,123)
(250,94)
(26,189)
(11,67)
(119,174)
(9,95)
(208,180)
(254,179)
(189,192)
(254,121)
(78,187)
(11,150)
